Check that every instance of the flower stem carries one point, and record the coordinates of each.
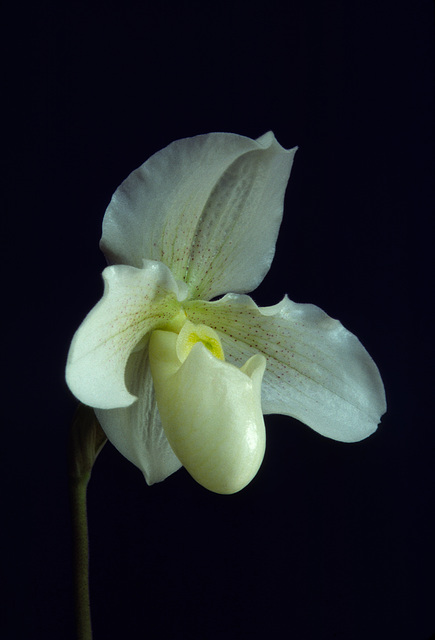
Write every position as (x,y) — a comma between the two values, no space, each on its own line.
(81,557)
(85,443)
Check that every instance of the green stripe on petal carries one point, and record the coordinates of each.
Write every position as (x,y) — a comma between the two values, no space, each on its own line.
(209,207)
(317,371)
(135,301)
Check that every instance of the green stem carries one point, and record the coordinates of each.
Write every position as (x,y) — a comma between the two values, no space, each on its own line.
(86,439)
(78,489)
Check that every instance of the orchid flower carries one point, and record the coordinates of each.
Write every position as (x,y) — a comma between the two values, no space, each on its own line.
(179,373)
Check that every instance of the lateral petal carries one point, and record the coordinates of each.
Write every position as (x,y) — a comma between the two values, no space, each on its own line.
(209,207)
(317,371)
(134,302)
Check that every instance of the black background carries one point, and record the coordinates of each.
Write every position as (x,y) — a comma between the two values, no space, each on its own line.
(330,541)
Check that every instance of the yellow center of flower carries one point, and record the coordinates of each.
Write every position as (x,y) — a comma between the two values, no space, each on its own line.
(191,333)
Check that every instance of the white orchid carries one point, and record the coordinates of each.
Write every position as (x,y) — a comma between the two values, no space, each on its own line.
(178,379)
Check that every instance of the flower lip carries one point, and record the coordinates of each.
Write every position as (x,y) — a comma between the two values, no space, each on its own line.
(210,411)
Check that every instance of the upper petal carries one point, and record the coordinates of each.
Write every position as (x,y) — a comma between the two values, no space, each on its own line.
(134,302)
(209,207)
(317,371)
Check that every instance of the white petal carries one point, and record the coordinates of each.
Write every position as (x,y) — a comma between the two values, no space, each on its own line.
(209,207)
(134,302)
(317,371)
(136,431)
(211,412)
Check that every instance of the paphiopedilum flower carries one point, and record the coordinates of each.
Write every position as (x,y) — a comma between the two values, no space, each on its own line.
(177,377)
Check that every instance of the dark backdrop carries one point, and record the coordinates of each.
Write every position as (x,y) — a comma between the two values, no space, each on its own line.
(330,541)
